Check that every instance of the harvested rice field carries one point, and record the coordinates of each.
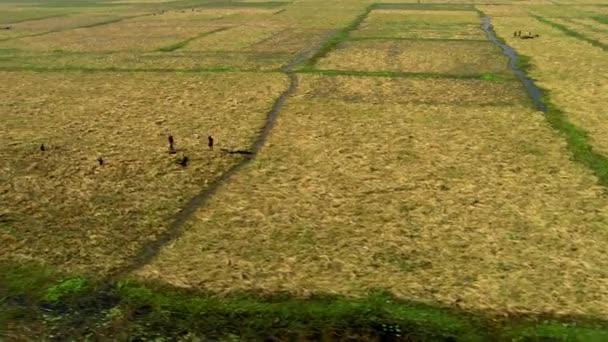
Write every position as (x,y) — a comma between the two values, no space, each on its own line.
(61,207)
(422,24)
(307,170)
(233,39)
(583,29)
(134,34)
(355,196)
(567,66)
(56,23)
(442,57)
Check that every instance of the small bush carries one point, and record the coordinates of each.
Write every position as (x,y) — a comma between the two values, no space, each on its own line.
(65,288)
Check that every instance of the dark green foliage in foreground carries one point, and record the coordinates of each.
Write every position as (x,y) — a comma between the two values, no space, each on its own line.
(149,310)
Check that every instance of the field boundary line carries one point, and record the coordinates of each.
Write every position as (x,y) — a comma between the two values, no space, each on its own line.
(587,26)
(185,42)
(150,251)
(101,23)
(152,12)
(39,18)
(404,74)
(571,33)
(127,70)
(342,35)
(601,19)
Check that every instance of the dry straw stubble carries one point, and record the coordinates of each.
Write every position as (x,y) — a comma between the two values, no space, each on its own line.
(435,202)
(66,210)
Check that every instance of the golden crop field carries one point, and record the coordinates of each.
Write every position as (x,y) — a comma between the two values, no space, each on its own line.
(442,57)
(568,70)
(233,39)
(599,35)
(291,41)
(127,35)
(352,196)
(377,171)
(592,24)
(65,209)
(377,90)
(56,23)
(422,24)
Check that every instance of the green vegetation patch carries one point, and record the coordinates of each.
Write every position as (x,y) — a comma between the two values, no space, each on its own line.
(147,310)
(577,138)
(578,141)
(30,279)
(66,288)
(601,19)
(555,331)
(253,317)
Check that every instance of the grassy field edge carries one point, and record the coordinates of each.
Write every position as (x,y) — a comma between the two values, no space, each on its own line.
(576,137)
(31,295)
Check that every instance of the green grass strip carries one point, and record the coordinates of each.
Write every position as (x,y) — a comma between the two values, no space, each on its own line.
(400,74)
(577,138)
(588,26)
(554,331)
(601,19)
(254,318)
(342,35)
(572,33)
(578,141)
(183,43)
(160,310)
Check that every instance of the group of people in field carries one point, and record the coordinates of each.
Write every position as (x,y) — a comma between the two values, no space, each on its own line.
(528,36)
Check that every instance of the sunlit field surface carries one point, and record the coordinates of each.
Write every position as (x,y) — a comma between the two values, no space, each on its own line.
(323,152)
